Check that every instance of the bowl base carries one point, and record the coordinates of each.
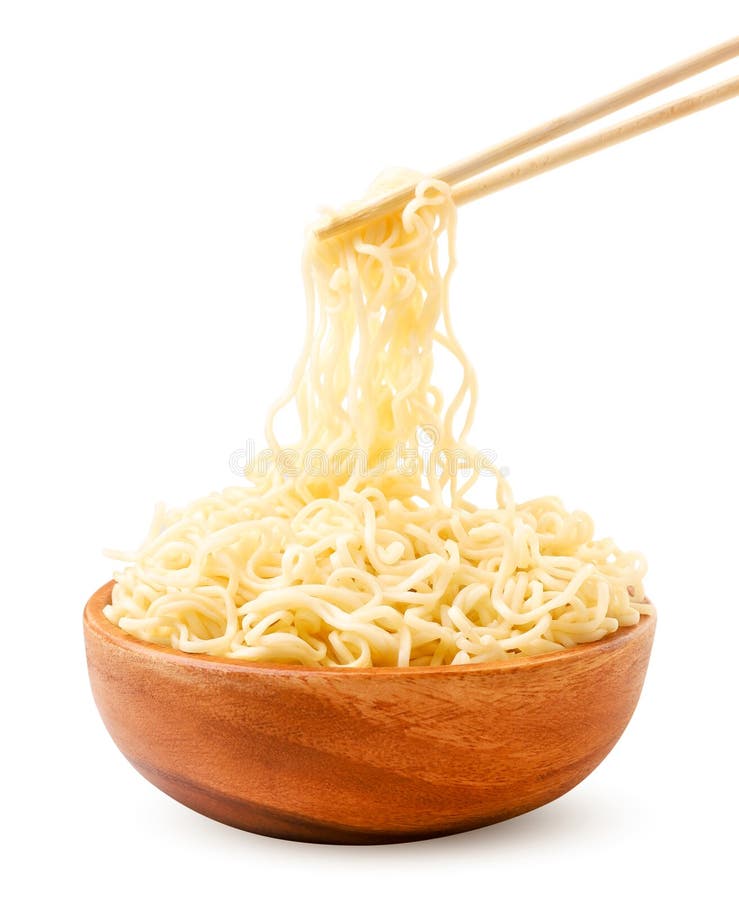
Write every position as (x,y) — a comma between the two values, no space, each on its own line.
(258,819)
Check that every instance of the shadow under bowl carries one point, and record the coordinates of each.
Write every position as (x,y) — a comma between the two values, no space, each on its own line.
(363,756)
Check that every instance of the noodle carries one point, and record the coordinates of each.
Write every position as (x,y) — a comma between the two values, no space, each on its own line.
(358,546)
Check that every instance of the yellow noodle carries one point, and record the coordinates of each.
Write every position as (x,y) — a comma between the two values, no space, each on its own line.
(354,557)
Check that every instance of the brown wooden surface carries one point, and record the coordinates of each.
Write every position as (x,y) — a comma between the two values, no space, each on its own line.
(367,755)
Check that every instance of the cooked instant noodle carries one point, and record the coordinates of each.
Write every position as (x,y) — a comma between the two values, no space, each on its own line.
(359,545)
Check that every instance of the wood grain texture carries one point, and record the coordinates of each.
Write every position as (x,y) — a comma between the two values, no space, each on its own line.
(363,756)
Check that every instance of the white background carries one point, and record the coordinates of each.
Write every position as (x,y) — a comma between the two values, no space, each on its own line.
(159,164)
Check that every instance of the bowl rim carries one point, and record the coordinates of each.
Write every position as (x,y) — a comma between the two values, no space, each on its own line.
(95,621)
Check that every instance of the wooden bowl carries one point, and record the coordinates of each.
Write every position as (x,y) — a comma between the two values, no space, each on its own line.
(363,756)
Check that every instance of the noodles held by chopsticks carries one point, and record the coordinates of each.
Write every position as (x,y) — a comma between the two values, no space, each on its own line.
(359,546)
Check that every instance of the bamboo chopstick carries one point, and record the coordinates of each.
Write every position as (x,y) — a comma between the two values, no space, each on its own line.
(548,131)
(544,162)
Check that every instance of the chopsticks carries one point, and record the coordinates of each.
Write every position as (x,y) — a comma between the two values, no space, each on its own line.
(467,190)
(545,162)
